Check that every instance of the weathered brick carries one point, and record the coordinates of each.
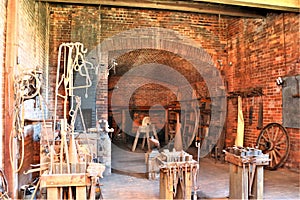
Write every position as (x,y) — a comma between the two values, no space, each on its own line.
(254,52)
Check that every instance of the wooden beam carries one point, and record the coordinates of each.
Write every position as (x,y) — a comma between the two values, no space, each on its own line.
(183,6)
(232,7)
(64,180)
(9,100)
(281,5)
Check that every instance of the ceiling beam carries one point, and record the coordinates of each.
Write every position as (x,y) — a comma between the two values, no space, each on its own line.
(202,6)
(184,6)
(281,5)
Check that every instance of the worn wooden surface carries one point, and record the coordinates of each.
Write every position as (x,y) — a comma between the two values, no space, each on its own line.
(183,187)
(165,186)
(239,182)
(64,180)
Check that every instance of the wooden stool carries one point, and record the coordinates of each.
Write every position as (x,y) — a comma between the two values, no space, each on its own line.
(145,129)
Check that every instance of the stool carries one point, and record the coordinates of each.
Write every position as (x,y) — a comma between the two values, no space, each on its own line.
(144,130)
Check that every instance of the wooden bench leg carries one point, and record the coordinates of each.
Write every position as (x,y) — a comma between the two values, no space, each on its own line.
(135,140)
(81,193)
(144,138)
(52,193)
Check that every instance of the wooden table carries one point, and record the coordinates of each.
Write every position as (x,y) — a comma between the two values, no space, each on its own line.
(246,176)
(177,175)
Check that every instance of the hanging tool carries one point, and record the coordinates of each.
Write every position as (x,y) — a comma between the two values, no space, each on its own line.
(239,141)
(260,114)
(251,112)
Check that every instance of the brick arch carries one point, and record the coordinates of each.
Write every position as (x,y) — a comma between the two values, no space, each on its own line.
(168,40)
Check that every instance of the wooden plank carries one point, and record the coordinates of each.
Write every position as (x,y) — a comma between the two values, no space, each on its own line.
(244,171)
(238,182)
(165,186)
(11,53)
(231,158)
(62,180)
(184,6)
(258,184)
(204,6)
(188,185)
(286,5)
(52,193)
(81,193)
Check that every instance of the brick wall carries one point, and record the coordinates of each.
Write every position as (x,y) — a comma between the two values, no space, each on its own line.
(248,52)
(146,96)
(2,61)
(92,24)
(32,52)
(260,51)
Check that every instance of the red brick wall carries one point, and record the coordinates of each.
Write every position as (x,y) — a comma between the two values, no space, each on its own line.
(146,96)
(92,24)
(207,30)
(32,52)
(260,51)
(31,43)
(248,52)
(60,32)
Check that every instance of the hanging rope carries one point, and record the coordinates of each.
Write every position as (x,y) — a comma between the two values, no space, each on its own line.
(26,86)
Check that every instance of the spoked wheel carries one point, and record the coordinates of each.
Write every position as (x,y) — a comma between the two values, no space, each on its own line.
(28,85)
(190,127)
(274,140)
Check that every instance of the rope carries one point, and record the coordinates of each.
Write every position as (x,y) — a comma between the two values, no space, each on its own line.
(17,131)
(4,185)
(22,91)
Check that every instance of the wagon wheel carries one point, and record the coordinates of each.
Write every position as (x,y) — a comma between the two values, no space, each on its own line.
(274,140)
(28,85)
(190,127)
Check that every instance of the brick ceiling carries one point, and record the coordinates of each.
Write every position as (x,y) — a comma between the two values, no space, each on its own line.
(157,59)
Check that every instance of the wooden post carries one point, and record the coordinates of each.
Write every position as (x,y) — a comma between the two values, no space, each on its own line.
(188,184)
(52,193)
(238,182)
(81,193)
(258,184)
(9,101)
(136,139)
(73,150)
(166,185)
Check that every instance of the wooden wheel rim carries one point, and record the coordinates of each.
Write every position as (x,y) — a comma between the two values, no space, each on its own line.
(274,140)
